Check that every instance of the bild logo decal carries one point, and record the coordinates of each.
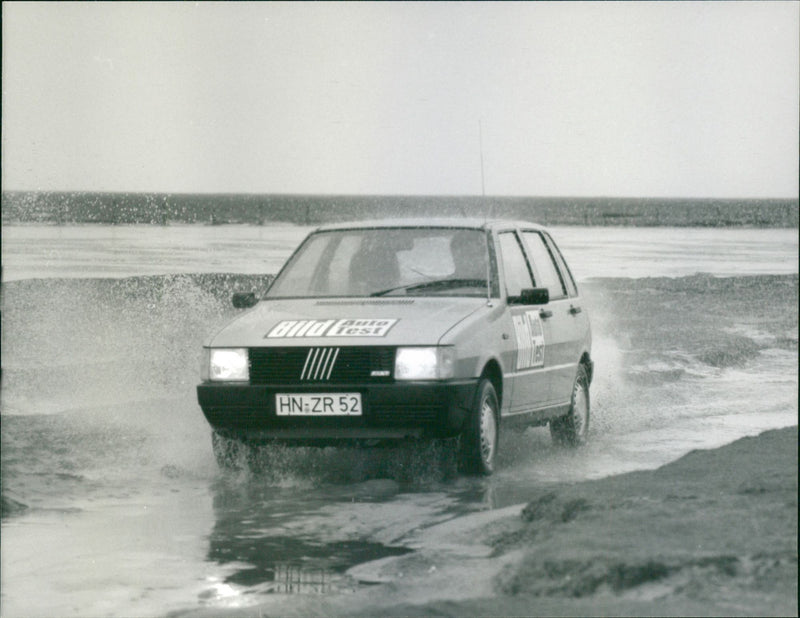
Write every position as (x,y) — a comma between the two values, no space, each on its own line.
(530,340)
(346,327)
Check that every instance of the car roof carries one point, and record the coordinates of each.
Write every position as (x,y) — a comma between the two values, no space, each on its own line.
(469,223)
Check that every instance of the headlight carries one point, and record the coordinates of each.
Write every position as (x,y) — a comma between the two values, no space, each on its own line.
(434,363)
(228,364)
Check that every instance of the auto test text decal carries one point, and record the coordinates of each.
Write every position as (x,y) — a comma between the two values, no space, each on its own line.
(345,327)
(530,340)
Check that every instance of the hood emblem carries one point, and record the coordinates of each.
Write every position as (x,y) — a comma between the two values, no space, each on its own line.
(319,363)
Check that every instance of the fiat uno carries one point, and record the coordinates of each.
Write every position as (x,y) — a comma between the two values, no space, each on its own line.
(378,332)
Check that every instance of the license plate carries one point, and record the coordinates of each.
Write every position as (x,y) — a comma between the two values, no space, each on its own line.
(321,404)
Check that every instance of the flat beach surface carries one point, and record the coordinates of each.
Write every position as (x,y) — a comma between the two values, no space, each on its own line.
(711,534)
(107,460)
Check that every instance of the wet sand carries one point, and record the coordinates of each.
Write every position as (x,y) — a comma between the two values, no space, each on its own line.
(713,533)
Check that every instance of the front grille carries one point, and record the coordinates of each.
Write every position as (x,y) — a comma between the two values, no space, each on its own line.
(321,365)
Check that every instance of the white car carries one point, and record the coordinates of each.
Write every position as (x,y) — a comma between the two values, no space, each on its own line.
(409,329)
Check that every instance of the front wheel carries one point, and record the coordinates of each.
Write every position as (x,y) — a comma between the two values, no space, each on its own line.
(572,429)
(478,442)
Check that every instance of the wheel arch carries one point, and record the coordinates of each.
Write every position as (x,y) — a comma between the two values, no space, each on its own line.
(493,372)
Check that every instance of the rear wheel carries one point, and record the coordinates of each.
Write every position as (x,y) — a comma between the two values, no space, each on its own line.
(478,442)
(572,429)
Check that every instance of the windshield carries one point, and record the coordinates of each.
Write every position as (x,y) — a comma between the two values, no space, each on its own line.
(387,262)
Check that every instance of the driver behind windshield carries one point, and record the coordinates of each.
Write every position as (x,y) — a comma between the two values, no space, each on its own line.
(469,256)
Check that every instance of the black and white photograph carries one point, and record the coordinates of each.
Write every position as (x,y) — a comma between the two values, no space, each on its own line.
(399,309)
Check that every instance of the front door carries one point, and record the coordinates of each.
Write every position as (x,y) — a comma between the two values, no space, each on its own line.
(528,371)
(562,320)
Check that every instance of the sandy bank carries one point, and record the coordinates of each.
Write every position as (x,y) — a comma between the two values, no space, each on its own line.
(713,533)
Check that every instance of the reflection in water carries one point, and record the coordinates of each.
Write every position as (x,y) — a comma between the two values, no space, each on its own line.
(266,540)
(291,579)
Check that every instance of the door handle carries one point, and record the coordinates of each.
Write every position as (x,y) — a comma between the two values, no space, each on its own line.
(545,313)
(575,310)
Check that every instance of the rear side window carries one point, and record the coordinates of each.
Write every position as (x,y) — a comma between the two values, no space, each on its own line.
(518,276)
(572,287)
(546,271)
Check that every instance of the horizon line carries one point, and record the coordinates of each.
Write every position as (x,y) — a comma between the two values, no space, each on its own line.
(400,195)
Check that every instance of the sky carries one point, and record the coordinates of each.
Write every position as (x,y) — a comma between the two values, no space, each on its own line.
(652,99)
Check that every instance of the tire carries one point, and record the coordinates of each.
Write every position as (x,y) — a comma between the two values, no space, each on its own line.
(478,441)
(573,428)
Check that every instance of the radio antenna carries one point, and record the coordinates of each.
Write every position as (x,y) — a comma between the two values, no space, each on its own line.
(480,141)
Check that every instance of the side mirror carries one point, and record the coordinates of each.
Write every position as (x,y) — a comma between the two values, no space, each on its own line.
(244,300)
(532,296)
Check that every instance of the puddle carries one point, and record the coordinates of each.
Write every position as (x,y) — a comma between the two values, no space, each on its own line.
(293,566)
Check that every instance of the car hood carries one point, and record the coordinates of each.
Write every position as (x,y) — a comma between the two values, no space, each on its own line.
(317,322)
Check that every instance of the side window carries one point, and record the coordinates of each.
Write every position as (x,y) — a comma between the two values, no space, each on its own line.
(493,270)
(572,287)
(543,265)
(518,276)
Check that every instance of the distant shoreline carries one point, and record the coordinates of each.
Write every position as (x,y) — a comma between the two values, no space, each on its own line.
(255,209)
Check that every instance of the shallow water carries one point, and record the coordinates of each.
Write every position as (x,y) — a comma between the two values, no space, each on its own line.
(113,504)
(42,251)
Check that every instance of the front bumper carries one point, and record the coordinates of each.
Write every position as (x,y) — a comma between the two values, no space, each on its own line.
(389,412)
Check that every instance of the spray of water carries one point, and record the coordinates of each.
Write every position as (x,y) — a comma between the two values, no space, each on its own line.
(109,367)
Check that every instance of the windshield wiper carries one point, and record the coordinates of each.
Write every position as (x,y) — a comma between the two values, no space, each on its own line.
(436,283)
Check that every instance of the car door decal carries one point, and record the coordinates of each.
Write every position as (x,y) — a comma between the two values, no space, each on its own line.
(530,340)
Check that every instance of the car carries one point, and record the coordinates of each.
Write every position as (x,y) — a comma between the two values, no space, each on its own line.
(425,329)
